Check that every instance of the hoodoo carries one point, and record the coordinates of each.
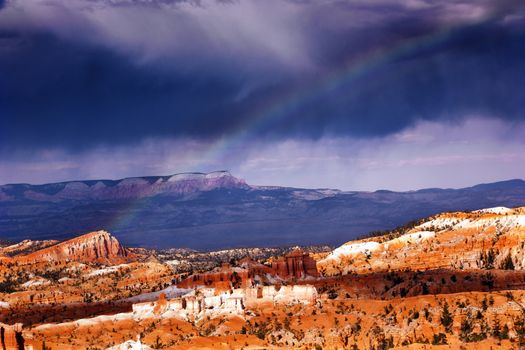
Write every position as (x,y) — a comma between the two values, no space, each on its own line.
(296,264)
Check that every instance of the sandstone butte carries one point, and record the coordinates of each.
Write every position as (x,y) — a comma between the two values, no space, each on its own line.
(99,247)
(452,281)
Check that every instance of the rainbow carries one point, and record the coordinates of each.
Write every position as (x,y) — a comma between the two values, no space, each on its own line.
(128,214)
(278,108)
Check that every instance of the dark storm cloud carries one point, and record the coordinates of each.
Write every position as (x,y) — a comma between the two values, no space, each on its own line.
(79,73)
(61,93)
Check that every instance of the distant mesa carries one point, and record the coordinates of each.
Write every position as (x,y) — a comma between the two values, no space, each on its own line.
(201,176)
(133,187)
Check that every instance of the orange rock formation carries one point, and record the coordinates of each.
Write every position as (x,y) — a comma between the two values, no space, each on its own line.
(297,264)
(11,337)
(453,281)
(99,246)
(484,239)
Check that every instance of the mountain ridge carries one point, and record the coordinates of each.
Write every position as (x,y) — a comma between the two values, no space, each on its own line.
(131,186)
(217,210)
(94,181)
(153,178)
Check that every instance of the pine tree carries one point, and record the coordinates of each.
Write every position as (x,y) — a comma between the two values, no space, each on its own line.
(446,318)
(496,328)
(507,263)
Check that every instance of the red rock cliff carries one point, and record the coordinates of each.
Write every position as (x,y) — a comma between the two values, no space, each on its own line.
(11,337)
(296,264)
(98,246)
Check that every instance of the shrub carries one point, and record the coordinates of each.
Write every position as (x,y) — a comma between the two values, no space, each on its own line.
(332,294)
(488,280)
(466,333)
(507,263)
(498,332)
(439,339)
(7,286)
(487,259)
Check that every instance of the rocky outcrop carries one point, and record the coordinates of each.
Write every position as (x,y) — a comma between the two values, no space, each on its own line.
(483,239)
(194,305)
(11,337)
(297,264)
(25,247)
(298,294)
(210,302)
(225,275)
(99,246)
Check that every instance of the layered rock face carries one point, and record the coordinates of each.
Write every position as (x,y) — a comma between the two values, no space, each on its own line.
(11,337)
(211,302)
(298,294)
(225,275)
(194,305)
(297,264)
(483,239)
(98,246)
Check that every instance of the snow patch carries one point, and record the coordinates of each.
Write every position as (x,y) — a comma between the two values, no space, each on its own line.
(353,249)
(35,282)
(87,321)
(505,221)
(130,345)
(170,292)
(416,236)
(105,270)
(217,174)
(438,224)
(185,177)
(495,210)
(173,262)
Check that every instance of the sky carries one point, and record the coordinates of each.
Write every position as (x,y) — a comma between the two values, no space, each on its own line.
(356,95)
